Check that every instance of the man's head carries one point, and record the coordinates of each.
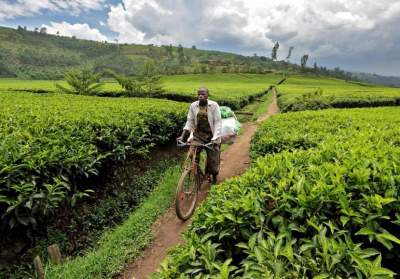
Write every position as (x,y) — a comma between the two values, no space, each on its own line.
(202,95)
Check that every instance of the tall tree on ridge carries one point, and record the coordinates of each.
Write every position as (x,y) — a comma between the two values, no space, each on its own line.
(289,53)
(304,60)
(274,53)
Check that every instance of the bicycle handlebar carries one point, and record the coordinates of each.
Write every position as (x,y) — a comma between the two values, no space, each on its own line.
(183,144)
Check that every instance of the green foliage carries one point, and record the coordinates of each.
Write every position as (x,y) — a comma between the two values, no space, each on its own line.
(315,92)
(32,55)
(117,247)
(320,201)
(91,221)
(146,82)
(55,141)
(81,82)
(233,90)
(43,56)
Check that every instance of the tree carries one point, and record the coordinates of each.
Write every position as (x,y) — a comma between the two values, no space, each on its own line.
(81,81)
(151,78)
(315,67)
(194,47)
(274,53)
(289,53)
(303,61)
(181,55)
(43,30)
(146,81)
(169,51)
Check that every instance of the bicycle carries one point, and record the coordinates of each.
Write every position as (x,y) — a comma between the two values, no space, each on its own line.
(191,179)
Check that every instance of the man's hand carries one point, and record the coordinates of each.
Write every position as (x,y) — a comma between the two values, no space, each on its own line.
(184,136)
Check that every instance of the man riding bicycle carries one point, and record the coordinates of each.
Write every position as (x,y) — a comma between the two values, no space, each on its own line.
(203,126)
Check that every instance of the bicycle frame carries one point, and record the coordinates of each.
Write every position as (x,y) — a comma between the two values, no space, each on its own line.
(192,155)
(193,174)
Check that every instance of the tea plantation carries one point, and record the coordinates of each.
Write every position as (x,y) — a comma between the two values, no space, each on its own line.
(49,143)
(312,92)
(321,200)
(234,90)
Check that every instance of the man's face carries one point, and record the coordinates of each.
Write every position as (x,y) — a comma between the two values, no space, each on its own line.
(202,95)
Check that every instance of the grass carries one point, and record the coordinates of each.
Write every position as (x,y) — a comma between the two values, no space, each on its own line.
(259,107)
(121,245)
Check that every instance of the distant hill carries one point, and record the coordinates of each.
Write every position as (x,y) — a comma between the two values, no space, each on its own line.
(34,55)
(378,79)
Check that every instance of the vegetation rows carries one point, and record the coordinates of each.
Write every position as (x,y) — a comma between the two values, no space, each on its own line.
(50,144)
(234,90)
(312,92)
(321,200)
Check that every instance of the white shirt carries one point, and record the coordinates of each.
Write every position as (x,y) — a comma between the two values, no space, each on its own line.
(214,119)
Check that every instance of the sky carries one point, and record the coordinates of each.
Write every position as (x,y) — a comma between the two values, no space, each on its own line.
(357,35)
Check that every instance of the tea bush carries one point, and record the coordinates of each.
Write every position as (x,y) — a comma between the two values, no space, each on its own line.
(233,90)
(49,145)
(300,93)
(321,200)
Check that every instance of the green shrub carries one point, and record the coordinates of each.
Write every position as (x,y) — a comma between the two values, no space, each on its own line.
(300,93)
(54,142)
(82,82)
(323,204)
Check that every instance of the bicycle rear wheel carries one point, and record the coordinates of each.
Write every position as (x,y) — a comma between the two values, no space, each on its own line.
(186,194)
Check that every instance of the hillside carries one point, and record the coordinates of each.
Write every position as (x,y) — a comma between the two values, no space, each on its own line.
(32,55)
(378,79)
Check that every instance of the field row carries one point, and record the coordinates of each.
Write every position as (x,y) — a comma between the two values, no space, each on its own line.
(320,201)
(234,90)
(310,93)
(49,145)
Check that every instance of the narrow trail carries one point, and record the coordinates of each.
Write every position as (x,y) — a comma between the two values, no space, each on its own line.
(168,228)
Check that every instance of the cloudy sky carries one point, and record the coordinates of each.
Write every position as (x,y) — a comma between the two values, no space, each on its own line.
(357,35)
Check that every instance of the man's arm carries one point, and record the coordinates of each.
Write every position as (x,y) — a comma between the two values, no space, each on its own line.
(189,126)
(190,120)
(217,124)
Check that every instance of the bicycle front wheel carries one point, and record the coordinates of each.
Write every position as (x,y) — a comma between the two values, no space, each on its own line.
(186,194)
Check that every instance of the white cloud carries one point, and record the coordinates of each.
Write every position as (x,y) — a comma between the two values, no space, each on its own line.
(325,29)
(9,9)
(82,31)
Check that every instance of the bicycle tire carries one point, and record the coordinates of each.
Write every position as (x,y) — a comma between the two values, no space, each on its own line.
(182,191)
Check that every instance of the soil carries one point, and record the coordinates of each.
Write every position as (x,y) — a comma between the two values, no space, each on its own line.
(168,228)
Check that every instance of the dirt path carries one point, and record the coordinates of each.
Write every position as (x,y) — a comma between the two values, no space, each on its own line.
(168,229)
